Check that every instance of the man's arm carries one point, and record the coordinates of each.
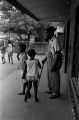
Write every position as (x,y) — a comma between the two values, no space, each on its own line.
(44,60)
(39,64)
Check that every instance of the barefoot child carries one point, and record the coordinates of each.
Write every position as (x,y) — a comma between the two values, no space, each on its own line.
(31,73)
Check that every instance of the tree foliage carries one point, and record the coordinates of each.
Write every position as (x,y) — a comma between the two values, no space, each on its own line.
(14,21)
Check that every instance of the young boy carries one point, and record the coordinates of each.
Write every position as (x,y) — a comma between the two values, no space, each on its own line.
(22,61)
(31,73)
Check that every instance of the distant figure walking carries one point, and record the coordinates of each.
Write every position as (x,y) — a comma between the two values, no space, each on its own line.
(10,52)
(3,50)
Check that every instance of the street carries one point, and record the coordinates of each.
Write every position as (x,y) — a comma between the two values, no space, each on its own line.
(13,107)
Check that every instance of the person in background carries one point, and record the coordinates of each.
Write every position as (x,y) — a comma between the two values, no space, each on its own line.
(54,62)
(3,50)
(10,52)
(22,62)
(31,73)
(19,52)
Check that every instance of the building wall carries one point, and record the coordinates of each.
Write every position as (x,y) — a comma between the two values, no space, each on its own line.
(71,14)
(72,80)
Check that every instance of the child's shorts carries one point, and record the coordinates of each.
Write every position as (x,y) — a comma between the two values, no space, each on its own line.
(31,78)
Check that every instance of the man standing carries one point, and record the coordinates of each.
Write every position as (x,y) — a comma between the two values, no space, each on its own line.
(10,52)
(54,61)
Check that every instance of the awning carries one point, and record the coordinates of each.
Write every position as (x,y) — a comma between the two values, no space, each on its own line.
(43,10)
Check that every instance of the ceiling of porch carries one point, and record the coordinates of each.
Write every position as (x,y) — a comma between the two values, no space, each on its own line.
(43,10)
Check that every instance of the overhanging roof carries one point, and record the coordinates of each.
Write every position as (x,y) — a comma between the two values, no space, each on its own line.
(43,10)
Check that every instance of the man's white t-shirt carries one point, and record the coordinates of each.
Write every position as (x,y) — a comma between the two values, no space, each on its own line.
(55,45)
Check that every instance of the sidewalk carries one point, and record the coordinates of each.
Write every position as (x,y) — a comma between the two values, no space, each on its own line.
(13,107)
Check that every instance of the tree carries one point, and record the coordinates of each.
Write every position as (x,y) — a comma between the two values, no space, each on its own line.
(20,24)
(16,21)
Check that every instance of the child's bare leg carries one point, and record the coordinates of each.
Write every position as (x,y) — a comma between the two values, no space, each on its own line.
(29,94)
(11,59)
(28,90)
(24,87)
(4,59)
(35,90)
